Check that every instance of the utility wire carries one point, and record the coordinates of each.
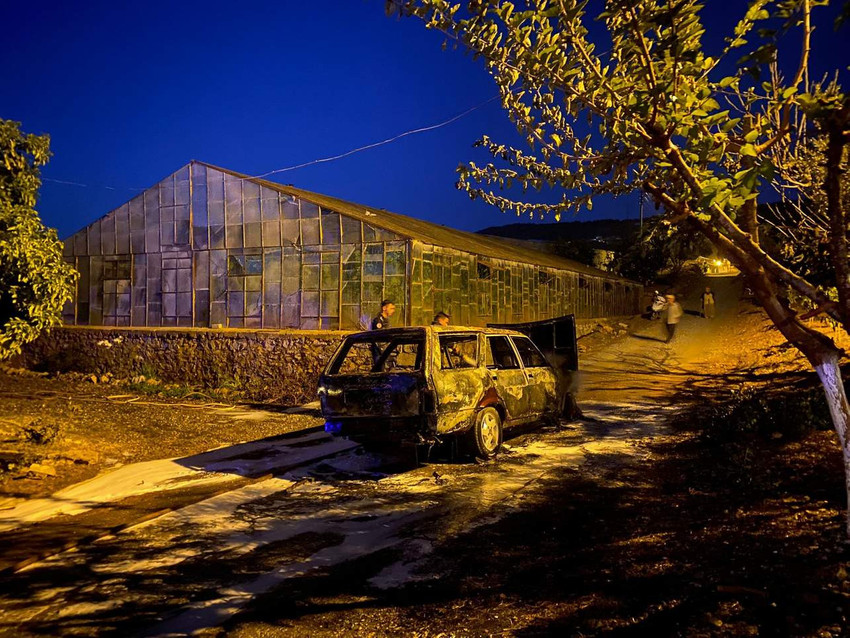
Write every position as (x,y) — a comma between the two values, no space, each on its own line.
(376,144)
(322,160)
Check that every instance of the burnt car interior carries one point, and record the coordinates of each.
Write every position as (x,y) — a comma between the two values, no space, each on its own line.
(375,355)
(458,351)
(500,355)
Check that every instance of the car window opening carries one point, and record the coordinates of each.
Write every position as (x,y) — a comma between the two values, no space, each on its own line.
(500,354)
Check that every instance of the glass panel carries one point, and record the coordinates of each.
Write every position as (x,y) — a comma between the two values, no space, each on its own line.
(330,276)
(291,232)
(253,303)
(181,237)
(202,308)
(107,235)
(271,265)
(330,227)
(330,303)
(169,281)
(235,303)
(395,262)
(181,186)
(270,205)
(93,246)
(369,233)
(271,233)
(271,295)
(233,199)
(166,191)
(217,237)
(351,292)
(350,230)
(236,265)
(216,213)
(254,283)
(310,277)
(199,175)
(122,230)
(234,237)
(253,234)
(309,304)
(218,314)
(184,280)
(350,317)
(271,316)
(251,206)
(169,304)
(309,210)
(289,206)
(215,186)
(310,231)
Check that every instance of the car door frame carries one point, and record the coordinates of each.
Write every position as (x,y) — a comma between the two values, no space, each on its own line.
(515,403)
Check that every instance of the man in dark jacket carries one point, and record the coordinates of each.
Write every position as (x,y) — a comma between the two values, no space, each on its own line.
(382,319)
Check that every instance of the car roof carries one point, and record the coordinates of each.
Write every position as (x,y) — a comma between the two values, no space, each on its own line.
(411,331)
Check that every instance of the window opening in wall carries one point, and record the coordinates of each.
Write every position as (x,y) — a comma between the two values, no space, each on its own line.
(609,286)
(582,282)
(483,271)
(545,278)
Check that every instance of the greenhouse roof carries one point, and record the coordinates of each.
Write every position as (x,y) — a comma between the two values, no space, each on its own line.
(429,232)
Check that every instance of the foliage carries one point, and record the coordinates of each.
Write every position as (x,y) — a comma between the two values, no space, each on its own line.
(35,281)
(643,105)
(663,248)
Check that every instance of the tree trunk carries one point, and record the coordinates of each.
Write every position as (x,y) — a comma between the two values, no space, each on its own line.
(839,409)
(823,355)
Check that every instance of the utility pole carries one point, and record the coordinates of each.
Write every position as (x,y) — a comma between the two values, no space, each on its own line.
(641,213)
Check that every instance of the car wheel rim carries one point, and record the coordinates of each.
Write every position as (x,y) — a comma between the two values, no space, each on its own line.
(489,432)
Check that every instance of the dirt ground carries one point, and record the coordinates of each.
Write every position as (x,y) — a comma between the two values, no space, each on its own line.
(706,528)
(58,431)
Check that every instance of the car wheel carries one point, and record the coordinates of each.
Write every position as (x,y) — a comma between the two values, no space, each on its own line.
(485,436)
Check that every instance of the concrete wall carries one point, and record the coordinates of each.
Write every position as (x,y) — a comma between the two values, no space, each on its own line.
(279,366)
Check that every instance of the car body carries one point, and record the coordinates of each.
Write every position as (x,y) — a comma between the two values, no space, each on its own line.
(427,384)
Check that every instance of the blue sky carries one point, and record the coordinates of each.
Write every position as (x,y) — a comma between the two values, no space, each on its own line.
(129,92)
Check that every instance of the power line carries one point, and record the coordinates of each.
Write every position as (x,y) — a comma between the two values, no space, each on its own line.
(375,144)
(322,160)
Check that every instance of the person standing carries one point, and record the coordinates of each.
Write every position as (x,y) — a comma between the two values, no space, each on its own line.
(382,319)
(673,315)
(708,303)
(441,319)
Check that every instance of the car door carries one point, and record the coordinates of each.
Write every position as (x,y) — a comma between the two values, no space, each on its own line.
(507,377)
(542,386)
(458,379)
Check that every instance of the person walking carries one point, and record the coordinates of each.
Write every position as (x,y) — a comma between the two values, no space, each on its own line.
(673,315)
(708,303)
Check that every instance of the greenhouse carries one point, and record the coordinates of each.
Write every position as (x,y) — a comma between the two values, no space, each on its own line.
(208,247)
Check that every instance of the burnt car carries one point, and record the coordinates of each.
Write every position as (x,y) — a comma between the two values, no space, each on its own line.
(426,385)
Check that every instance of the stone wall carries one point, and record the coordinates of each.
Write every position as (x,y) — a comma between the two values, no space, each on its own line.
(266,365)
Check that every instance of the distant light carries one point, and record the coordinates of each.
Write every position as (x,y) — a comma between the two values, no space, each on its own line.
(718,262)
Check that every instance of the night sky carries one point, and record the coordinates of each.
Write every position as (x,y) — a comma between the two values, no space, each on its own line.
(130,92)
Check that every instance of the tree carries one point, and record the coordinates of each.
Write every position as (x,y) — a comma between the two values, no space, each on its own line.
(35,282)
(638,103)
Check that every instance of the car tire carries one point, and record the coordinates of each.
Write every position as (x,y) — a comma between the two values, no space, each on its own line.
(484,438)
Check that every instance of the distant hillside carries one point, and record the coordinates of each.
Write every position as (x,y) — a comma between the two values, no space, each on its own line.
(606,230)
